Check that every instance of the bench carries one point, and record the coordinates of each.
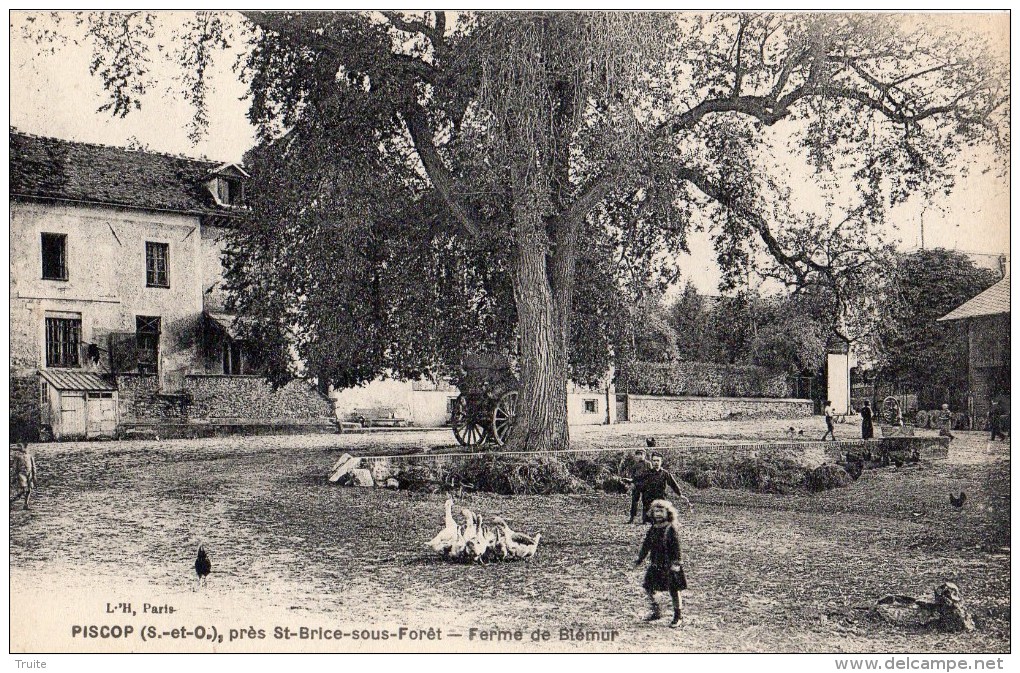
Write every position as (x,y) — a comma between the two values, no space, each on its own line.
(379,417)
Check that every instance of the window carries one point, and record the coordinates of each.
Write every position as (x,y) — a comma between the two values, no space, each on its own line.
(231,357)
(157,270)
(44,393)
(63,342)
(147,337)
(54,256)
(100,396)
(228,192)
(591,406)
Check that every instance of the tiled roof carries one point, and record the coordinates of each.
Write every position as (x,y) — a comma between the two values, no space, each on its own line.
(993,301)
(60,169)
(69,379)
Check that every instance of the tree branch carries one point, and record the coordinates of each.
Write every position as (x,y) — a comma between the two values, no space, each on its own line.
(442,180)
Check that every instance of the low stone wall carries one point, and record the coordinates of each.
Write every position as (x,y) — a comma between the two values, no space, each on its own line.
(140,401)
(251,398)
(809,454)
(223,401)
(657,409)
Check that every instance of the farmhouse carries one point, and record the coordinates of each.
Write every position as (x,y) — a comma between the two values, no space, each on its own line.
(117,307)
(987,319)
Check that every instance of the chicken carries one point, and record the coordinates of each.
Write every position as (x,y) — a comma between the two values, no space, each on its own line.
(650,442)
(519,545)
(449,536)
(957,502)
(203,566)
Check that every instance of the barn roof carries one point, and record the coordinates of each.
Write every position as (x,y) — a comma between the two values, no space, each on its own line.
(51,168)
(993,301)
(68,379)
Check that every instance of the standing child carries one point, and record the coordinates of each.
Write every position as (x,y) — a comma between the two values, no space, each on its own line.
(945,421)
(635,468)
(830,426)
(22,472)
(665,572)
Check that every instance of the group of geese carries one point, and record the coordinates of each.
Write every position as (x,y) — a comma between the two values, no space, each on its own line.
(475,541)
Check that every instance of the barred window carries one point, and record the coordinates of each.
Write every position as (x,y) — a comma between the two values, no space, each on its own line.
(157,268)
(147,329)
(54,256)
(63,342)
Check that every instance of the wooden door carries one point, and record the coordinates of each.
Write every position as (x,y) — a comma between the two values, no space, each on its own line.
(72,416)
(101,414)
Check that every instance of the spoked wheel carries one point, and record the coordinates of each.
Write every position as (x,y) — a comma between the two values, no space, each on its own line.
(468,429)
(503,417)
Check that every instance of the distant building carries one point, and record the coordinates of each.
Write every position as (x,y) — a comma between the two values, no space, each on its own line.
(987,320)
(117,308)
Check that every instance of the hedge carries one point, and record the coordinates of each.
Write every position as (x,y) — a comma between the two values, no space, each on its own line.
(698,379)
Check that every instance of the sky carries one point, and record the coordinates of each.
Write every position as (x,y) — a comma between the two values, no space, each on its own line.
(54,94)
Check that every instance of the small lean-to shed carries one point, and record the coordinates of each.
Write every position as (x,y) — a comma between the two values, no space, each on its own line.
(77,405)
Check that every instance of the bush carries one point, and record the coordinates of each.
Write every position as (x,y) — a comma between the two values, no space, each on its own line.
(703,380)
(824,477)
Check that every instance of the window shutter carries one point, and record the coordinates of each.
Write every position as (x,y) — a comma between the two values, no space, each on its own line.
(123,352)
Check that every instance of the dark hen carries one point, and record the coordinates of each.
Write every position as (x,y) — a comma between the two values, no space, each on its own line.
(203,566)
(957,502)
(650,441)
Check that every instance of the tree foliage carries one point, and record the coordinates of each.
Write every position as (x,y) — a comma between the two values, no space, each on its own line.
(916,349)
(496,152)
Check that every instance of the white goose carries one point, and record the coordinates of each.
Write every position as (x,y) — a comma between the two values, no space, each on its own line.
(448,537)
(518,545)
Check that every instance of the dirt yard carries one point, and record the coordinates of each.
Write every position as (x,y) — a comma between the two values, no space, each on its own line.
(119,522)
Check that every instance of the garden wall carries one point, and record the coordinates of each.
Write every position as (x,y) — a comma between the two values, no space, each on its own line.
(658,409)
(222,400)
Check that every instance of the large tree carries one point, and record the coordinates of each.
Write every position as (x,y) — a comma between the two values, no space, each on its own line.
(916,349)
(515,131)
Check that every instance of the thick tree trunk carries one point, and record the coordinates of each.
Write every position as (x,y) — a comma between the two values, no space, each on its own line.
(541,422)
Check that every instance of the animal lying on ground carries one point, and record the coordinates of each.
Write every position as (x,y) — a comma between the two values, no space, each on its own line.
(947,612)
(957,502)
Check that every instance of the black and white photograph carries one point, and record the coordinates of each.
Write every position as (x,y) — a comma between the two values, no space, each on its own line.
(511,331)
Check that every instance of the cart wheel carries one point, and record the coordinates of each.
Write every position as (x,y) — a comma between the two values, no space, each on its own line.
(466,428)
(503,417)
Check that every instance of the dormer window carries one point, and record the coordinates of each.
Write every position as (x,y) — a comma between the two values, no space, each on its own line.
(226,184)
(229,191)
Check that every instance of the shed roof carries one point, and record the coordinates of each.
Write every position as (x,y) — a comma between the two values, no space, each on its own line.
(993,301)
(69,379)
(51,168)
(224,321)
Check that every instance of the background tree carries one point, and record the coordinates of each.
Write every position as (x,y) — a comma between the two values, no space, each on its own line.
(520,127)
(916,350)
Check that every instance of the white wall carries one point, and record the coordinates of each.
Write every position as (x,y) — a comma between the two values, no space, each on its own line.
(106,279)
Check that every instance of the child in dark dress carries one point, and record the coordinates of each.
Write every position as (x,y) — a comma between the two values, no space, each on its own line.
(665,573)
